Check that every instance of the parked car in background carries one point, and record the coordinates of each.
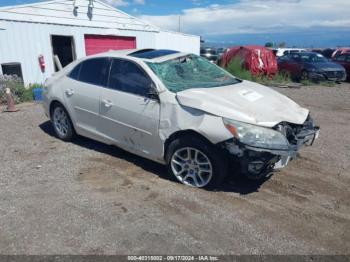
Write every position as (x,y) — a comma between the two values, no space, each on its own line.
(180,110)
(313,66)
(286,51)
(328,52)
(344,60)
(220,51)
(317,50)
(209,54)
(341,51)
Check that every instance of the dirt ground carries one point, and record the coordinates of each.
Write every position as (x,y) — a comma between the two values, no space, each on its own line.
(89,198)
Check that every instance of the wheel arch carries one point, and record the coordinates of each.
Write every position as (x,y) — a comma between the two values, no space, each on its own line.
(183,133)
(58,102)
(211,150)
(53,103)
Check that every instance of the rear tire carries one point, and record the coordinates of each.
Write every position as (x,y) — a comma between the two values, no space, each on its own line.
(195,162)
(304,75)
(62,123)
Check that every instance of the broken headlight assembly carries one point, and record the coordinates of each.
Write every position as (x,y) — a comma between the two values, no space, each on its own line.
(256,136)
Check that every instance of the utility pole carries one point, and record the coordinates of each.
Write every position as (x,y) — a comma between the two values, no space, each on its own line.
(179,23)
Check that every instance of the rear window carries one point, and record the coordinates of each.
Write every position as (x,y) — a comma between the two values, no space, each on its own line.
(94,71)
(74,74)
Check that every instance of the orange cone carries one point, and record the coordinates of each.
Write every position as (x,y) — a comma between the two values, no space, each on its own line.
(10,102)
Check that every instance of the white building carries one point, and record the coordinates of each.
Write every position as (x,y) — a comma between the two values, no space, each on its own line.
(72,29)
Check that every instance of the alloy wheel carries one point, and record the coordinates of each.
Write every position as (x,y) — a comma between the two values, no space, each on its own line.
(304,75)
(60,121)
(191,167)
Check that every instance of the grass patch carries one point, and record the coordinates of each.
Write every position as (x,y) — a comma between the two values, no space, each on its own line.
(236,68)
(281,78)
(19,92)
(306,82)
(327,83)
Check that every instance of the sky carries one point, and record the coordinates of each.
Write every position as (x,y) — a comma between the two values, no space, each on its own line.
(304,23)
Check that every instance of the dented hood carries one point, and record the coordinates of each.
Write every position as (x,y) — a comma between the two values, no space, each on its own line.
(247,102)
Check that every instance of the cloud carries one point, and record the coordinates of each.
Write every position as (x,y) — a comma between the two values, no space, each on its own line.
(116,2)
(123,2)
(139,2)
(258,16)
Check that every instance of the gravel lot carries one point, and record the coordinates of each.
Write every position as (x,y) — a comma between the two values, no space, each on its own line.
(89,198)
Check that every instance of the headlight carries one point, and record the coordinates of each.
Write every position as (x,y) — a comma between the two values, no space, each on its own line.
(256,136)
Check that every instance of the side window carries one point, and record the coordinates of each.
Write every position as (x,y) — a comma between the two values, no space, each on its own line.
(74,74)
(284,58)
(126,76)
(94,71)
(340,58)
(296,58)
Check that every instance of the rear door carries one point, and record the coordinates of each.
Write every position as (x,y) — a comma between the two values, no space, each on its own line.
(83,91)
(289,64)
(129,114)
(284,63)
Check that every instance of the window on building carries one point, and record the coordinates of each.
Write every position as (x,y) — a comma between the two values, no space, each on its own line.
(12,69)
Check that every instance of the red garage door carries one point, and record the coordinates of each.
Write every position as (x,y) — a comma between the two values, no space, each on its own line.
(95,44)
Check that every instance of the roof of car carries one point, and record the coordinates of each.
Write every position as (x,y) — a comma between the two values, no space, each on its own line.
(289,49)
(306,53)
(150,55)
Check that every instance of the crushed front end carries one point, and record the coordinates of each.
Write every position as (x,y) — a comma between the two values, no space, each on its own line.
(257,162)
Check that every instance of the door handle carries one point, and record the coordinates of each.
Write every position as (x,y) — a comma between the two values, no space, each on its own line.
(69,92)
(107,103)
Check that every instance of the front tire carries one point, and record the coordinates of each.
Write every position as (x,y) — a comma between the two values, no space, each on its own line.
(62,123)
(196,163)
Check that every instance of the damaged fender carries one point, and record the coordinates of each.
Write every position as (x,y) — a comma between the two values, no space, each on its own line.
(175,117)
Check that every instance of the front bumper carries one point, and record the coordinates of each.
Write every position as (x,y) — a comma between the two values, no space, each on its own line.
(328,75)
(258,162)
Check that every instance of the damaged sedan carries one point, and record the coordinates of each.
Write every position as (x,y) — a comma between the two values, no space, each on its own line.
(180,110)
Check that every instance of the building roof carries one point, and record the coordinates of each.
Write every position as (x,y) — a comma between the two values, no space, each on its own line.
(75,13)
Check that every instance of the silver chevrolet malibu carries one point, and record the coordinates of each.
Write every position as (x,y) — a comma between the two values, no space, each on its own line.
(180,110)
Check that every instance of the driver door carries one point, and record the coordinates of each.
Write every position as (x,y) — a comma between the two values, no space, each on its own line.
(289,64)
(129,115)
